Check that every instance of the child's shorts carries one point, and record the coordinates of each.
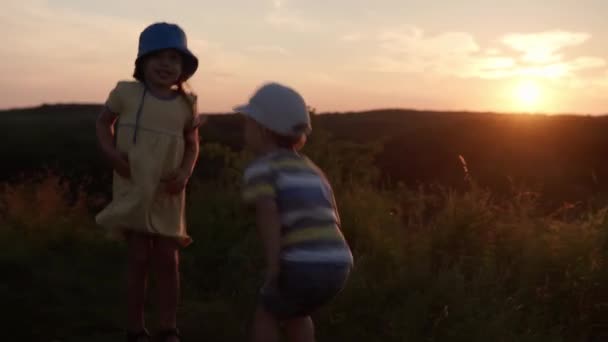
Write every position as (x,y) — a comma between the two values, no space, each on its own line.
(302,288)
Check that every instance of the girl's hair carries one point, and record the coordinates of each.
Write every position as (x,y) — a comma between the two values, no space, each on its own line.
(186,91)
(138,73)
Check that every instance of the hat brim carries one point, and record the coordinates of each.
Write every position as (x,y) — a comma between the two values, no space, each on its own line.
(252,112)
(247,110)
(190,61)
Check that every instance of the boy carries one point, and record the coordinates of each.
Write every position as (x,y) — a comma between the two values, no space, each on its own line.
(307,258)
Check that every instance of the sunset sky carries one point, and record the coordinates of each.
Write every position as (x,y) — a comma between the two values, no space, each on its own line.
(517,55)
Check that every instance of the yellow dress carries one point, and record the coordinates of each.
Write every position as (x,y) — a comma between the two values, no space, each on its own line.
(140,204)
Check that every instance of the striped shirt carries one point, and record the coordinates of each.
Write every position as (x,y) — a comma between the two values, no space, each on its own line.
(310,224)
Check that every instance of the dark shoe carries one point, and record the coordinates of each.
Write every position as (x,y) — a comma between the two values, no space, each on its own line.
(138,336)
(165,334)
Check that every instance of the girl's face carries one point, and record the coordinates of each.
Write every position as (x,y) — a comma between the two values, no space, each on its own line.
(163,68)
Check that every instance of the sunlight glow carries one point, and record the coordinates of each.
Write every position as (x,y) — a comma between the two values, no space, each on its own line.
(527,94)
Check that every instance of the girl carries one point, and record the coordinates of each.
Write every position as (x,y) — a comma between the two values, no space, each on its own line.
(153,153)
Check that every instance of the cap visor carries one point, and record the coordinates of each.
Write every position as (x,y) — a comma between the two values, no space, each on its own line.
(251,111)
(243,109)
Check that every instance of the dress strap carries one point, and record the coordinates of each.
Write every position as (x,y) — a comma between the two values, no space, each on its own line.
(138,115)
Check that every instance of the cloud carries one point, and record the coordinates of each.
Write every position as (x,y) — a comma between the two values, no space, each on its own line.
(281,17)
(58,53)
(582,63)
(554,71)
(216,61)
(450,43)
(353,37)
(543,47)
(269,49)
(51,46)
(492,51)
(410,50)
(541,56)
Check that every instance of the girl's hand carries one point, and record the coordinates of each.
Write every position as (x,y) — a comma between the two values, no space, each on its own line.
(105,135)
(176,181)
(202,119)
(121,165)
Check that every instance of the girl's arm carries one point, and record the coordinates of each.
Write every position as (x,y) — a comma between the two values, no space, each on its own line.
(269,229)
(176,181)
(105,136)
(191,151)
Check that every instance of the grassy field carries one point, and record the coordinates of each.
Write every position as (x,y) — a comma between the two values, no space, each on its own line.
(434,262)
(432,265)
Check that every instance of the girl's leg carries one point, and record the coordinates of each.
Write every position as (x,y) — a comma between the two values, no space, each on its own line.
(166,262)
(138,255)
(265,326)
(300,329)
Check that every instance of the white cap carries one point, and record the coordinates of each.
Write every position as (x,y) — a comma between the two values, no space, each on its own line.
(279,109)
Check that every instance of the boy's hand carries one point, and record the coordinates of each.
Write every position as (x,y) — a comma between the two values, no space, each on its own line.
(270,282)
(268,223)
(121,165)
(272,273)
(176,181)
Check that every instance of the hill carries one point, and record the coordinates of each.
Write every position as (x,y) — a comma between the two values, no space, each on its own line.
(559,156)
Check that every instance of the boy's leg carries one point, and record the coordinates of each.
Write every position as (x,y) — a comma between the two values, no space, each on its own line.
(138,256)
(300,329)
(311,287)
(265,326)
(166,262)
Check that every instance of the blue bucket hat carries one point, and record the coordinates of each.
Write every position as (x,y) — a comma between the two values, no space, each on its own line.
(160,36)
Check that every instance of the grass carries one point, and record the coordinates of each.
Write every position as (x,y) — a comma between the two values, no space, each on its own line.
(431,264)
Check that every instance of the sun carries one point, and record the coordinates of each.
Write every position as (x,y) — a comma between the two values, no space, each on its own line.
(527,95)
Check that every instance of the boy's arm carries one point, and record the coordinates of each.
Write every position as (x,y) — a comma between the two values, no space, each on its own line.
(269,228)
(104,127)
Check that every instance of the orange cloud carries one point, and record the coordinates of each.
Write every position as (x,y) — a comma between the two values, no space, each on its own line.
(542,47)
(409,50)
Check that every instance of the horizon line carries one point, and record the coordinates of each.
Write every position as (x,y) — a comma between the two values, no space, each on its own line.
(357,111)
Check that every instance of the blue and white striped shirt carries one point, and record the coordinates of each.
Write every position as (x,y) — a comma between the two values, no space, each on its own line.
(310,222)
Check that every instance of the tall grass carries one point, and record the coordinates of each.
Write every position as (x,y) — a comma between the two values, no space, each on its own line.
(431,264)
